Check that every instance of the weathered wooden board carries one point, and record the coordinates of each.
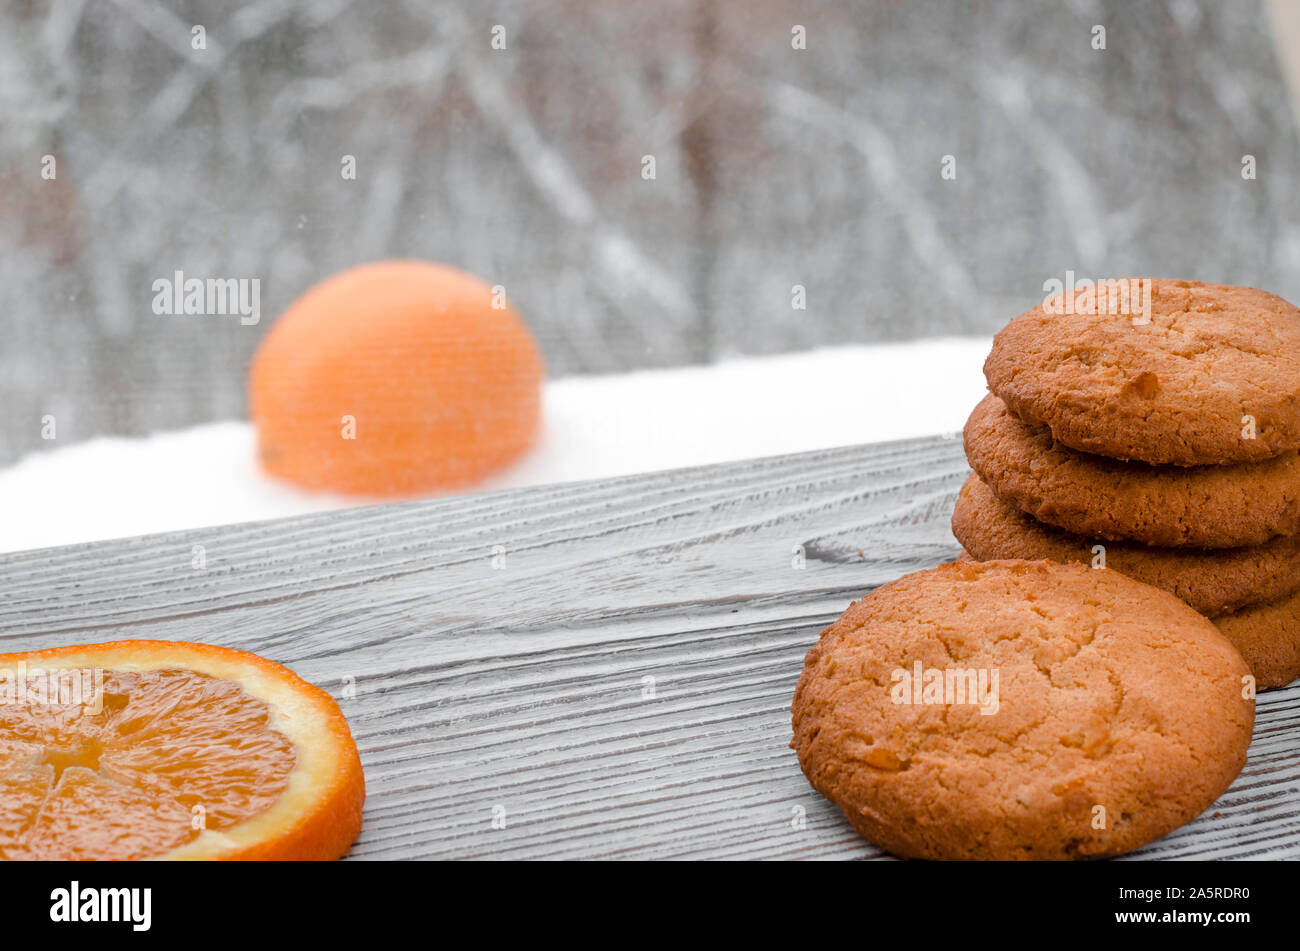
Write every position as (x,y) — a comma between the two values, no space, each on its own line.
(500,647)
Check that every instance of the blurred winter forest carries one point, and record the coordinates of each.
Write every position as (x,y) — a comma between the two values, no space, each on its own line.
(774,166)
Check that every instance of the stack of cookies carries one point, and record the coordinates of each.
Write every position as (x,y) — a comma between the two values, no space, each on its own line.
(1157,439)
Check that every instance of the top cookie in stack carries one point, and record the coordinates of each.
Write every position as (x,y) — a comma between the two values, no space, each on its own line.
(1158,414)
(1190,374)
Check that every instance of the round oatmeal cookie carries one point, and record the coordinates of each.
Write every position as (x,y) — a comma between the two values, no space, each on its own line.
(1167,506)
(1268,636)
(1207,374)
(1075,714)
(1213,581)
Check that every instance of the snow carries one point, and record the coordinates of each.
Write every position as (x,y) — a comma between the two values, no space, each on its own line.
(594,427)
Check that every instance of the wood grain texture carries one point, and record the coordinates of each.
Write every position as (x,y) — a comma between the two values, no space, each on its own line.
(524,686)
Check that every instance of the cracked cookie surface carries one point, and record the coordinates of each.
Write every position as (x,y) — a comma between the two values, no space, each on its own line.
(1174,390)
(1166,506)
(1213,581)
(1120,713)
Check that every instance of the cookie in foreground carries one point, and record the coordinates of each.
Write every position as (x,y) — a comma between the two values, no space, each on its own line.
(1021,710)
(171,750)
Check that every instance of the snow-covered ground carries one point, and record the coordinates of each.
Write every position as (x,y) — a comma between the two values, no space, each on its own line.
(593,426)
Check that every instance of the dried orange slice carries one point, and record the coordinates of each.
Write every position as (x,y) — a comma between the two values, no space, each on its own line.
(171,750)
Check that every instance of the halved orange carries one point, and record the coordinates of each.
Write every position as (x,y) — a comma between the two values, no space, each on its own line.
(395,379)
(171,750)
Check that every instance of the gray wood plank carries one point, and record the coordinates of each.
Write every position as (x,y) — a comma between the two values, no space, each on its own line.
(523,686)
